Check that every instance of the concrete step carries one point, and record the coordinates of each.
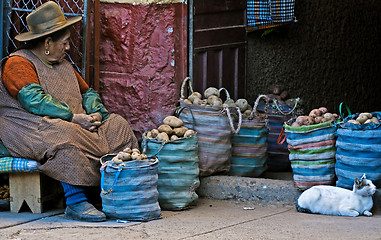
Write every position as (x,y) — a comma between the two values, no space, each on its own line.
(261,190)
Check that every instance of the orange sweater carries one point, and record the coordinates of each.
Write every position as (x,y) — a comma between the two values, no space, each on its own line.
(19,72)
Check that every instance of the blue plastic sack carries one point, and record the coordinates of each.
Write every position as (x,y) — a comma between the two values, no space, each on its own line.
(358,151)
(178,171)
(130,192)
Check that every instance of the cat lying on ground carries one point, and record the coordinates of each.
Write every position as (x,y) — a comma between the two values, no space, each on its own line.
(338,201)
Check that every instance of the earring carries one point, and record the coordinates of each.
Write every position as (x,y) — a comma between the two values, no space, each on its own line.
(47,52)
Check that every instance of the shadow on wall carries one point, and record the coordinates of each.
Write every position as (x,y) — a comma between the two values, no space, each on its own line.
(331,55)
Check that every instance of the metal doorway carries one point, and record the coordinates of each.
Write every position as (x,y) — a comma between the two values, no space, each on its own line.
(217,45)
(14,13)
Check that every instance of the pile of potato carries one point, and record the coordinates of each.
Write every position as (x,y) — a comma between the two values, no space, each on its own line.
(4,192)
(316,116)
(129,154)
(212,98)
(171,129)
(281,96)
(364,118)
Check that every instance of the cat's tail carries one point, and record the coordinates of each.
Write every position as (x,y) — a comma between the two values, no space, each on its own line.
(301,209)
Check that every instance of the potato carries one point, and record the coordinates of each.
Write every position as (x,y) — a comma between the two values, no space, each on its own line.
(213,98)
(211,91)
(323,110)
(361,118)
(368,121)
(194,95)
(165,128)
(179,132)
(188,133)
(276,89)
(247,112)
(374,119)
(154,133)
(328,116)
(149,135)
(353,121)
(229,103)
(197,101)
(174,137)
(187,101)
(116,160)
(217,103)
(135,150)
(295,124)
(284,95)
(315,113)
(143,157)
(135,156)
(173,121)
(300,120)
(162,137)
(124,156)
(127,150)
(368,115)
(309,121)
(323,120)
(242,104)
(318,119)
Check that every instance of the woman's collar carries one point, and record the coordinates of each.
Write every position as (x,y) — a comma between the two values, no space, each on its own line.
(43,60)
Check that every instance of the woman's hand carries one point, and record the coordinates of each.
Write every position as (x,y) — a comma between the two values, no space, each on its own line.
(87,122)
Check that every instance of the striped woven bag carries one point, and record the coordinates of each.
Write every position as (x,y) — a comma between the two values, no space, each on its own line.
(312,154)
(358,151)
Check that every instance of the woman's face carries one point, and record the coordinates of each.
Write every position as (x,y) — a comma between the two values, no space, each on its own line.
(57,49)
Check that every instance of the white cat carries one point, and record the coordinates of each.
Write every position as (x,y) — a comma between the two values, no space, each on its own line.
(338,201)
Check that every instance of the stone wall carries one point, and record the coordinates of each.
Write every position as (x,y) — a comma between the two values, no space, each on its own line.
(331,55)
(142,60)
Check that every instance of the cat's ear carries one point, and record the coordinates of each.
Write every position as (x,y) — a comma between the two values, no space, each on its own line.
(363,177)
(357,182)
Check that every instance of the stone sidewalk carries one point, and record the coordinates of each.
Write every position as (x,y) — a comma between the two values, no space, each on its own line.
(229,208)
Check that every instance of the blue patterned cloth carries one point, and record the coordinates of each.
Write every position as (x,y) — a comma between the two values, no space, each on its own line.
(12,164)
(269,13)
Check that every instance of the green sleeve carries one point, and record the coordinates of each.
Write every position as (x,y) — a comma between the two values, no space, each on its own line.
(92,103)
(33,98)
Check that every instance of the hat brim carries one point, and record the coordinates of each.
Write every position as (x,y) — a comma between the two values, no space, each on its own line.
(27,36)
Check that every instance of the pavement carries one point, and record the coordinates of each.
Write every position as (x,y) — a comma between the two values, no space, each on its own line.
(229,208)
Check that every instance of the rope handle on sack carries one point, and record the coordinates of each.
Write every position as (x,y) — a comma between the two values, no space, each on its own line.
(179,110)
(227,110)
(281,140)
(292,110)
(145,144)
(255,110)
(226,92)
(186,80)
(347,108)
(115,180)
(235,131)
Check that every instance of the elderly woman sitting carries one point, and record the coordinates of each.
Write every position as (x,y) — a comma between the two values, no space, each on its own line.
(49,113)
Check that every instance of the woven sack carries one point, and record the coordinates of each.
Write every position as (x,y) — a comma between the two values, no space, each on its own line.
(312,154)
(278,114)
(358,151)
(263,14)
(215,129)
(249,147)
(178,171)
(130,192)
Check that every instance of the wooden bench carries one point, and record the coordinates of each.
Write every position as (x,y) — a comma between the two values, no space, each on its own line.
(35,190)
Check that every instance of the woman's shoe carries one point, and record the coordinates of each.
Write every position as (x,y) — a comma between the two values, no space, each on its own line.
(84,211)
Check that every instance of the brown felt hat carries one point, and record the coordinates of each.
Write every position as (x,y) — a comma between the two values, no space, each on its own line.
(44,20)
